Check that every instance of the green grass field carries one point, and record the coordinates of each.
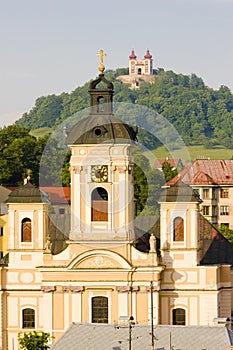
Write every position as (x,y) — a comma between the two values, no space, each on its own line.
(41,132)
(186,154)
(194,152)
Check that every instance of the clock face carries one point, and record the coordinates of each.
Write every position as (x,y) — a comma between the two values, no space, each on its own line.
(99,173)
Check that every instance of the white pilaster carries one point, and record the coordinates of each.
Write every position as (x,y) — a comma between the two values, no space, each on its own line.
(122,304)
(76,303)
(46,313)
(66,310)
(121,200)
(11,243)
(76,198)
(41,228)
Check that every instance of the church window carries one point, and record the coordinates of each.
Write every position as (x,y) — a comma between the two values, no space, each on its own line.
(178,317)
(178,229)
(28,320)
(99,310)
(99,204)
(26,230)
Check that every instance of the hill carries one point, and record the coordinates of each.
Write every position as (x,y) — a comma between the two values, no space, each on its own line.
(201,115)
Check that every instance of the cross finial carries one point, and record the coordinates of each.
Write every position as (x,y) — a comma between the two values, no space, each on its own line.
(101,67)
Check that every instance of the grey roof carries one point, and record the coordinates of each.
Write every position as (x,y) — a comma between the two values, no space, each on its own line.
(179,192)
(4,193)
(27,194)
(83,336)
(99,129)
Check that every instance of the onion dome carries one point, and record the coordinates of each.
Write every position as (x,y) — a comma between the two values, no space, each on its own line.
(27,194)
(132,56)
(148,55)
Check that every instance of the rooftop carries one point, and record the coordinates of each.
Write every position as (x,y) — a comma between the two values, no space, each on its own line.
(115,337)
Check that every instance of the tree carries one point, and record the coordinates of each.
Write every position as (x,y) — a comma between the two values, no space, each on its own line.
(147,186)
(34,340)
(226,232)
(168,171)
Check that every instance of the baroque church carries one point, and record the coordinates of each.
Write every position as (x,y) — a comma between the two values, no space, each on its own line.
(178,275)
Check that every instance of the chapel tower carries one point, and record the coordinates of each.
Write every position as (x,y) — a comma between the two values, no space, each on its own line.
(141,67)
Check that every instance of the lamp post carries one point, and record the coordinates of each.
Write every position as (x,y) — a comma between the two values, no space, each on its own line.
(128,320)
(131,323)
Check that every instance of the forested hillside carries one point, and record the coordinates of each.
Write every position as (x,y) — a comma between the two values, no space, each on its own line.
(200,114)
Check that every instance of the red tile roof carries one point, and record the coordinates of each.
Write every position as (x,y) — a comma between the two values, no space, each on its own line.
(207,172)
(57,194)
(174,162)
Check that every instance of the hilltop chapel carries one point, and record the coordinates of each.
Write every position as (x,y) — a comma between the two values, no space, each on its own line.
(179,275)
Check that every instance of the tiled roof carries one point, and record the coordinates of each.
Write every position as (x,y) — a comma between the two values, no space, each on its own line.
(115,337)
(207,172)
(27,193)
(57,194)
(173,162)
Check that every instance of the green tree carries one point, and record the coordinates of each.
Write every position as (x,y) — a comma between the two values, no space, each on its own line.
(226,232)
(169,171)
(147,186)
(34,340)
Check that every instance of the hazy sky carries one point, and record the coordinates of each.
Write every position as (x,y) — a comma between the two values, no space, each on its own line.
(50,46)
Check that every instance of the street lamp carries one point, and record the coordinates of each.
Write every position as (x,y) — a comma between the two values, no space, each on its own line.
(131,323)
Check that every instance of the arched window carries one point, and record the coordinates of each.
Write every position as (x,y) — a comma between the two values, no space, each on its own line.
(178,229)
(139,70)
(99,310)
(28,318)
(100,101)
(178,317)
(26,230)
(99,204)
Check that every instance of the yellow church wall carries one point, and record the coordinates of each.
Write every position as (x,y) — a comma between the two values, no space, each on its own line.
(200,307)
(4,238)
(186,278)
(142,307)
(58,317)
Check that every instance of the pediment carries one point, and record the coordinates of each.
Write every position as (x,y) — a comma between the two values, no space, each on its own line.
(99,259)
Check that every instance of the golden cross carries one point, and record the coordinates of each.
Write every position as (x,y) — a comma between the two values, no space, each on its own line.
(101,54)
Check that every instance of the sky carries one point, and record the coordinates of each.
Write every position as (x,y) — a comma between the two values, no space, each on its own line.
(50,46)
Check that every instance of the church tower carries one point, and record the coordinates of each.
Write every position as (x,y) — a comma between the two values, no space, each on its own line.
(179,225)
(101,170)
(28,226)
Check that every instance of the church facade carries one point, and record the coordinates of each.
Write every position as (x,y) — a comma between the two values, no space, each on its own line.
(180,275)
